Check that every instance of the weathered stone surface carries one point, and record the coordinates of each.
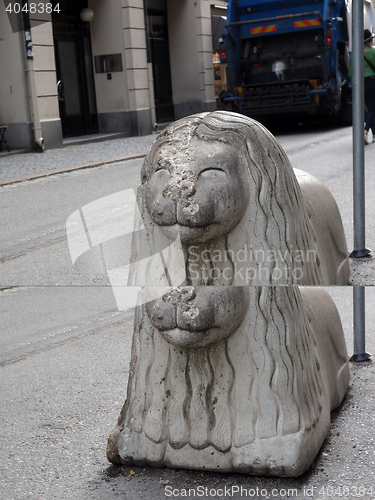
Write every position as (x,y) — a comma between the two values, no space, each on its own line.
(220,184)
(226,377)
(238,379)
(198,317)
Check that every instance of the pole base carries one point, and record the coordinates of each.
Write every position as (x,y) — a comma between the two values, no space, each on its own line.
(356,254)
(360,357)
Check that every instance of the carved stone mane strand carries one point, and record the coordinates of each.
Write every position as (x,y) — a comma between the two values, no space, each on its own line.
(294,384)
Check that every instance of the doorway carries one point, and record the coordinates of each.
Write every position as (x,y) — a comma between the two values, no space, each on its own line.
(74,69)
(157,30)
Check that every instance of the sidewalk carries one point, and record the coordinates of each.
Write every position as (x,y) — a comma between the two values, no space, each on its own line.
(17,167)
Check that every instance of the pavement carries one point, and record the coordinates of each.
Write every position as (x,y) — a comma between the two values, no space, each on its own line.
(75,154)
(60,403)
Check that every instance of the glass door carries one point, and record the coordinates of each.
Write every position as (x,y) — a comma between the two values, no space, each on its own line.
(69,87)
(75,85)
(157,28)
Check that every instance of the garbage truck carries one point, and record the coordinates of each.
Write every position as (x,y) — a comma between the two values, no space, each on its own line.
(290,57)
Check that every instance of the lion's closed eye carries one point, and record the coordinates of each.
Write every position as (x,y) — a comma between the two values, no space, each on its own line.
(213,173)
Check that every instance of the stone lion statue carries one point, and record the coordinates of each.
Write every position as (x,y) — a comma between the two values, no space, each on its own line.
(221,185)
(228,371)
(233,379)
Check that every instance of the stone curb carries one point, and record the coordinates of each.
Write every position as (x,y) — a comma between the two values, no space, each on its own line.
(92,164)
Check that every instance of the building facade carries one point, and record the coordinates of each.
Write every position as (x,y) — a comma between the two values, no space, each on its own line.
(89,66)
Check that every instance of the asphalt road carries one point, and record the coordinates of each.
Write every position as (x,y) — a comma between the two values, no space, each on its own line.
(61,399)
(327,154)
(65,347)
(34,214)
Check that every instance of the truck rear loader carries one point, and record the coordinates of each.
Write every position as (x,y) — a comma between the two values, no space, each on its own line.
(290,57)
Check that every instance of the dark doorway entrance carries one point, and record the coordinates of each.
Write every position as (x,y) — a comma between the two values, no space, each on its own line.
(75,77)
(157,29)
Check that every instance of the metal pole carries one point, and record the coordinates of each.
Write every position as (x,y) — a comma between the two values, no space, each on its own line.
(360,353)
(360,249)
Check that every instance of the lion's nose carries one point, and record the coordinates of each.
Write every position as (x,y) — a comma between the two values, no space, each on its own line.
(182,308)
(178,188)
(194,316)
(196,210)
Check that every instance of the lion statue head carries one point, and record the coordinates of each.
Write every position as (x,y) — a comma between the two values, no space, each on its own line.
(221,184)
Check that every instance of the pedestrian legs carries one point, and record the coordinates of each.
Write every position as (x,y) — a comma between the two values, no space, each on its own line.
(370,103)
